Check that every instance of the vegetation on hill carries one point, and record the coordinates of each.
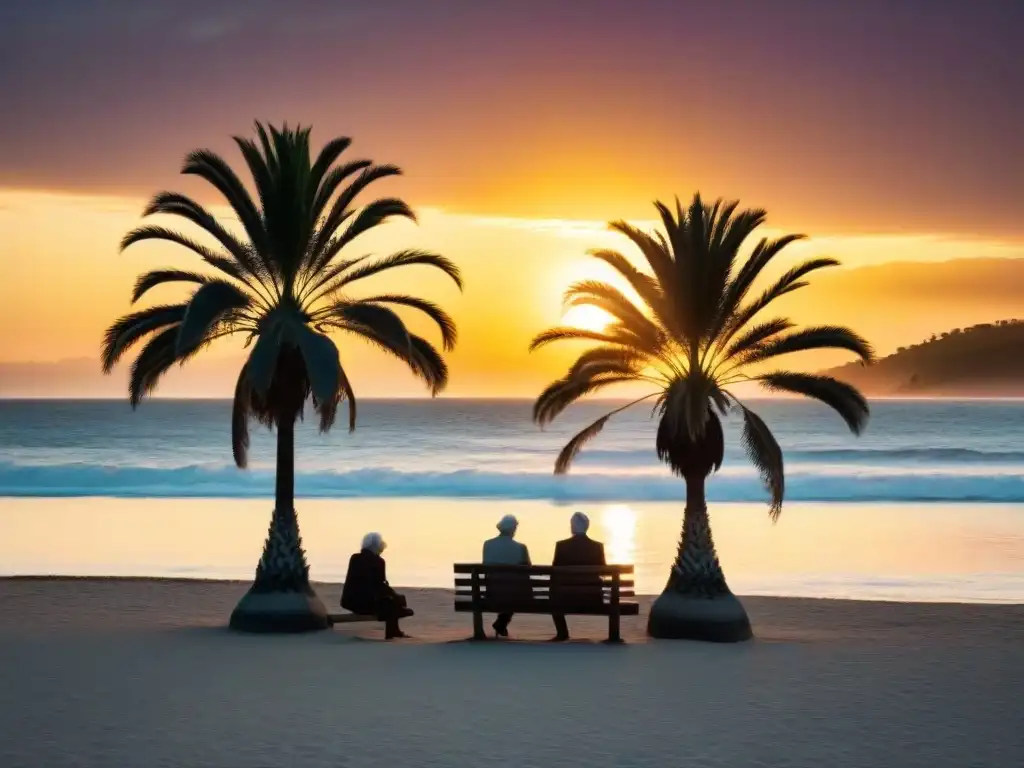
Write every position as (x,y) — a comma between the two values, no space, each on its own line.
(983,360)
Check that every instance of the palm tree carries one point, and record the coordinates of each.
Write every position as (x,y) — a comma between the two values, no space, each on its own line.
(284,286)
(697,329)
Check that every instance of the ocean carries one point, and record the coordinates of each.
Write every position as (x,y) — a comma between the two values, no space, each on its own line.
(911,452)
(932,493)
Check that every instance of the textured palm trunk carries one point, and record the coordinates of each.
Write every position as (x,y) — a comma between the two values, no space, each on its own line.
(697,571)
(281,598)
(283,567)
(697,603)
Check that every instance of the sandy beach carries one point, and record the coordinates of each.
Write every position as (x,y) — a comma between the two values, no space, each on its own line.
(133,672)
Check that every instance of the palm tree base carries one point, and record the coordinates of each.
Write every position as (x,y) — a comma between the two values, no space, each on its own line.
(279,612)
(719,619)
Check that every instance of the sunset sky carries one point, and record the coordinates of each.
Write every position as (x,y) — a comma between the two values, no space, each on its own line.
(891,132)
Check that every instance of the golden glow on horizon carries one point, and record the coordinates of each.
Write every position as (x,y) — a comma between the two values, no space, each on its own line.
(65,281)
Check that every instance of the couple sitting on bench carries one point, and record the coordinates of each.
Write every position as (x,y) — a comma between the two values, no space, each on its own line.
(580,549)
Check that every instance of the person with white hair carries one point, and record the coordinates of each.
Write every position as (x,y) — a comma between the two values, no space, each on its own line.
(366,590)
(503,549)
(579,549)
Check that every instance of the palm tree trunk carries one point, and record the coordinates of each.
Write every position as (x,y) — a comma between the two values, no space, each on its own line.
(284,484)
(697,571)
(697,603)
(281,598)
(283,567)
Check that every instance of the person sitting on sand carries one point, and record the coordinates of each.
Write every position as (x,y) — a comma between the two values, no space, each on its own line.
(503,549)
(366,589)
(580,549)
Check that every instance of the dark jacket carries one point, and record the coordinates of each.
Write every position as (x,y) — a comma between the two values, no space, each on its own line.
(578,550)
(365,584)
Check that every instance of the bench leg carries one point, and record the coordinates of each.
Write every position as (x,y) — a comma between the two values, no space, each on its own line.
(613,629)
(478,627)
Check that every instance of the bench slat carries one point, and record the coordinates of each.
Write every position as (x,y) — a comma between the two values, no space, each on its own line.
(467,593)
(545,570)
(540,583)
(626,608)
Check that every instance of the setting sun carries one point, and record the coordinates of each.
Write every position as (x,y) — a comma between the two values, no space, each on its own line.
(586,317)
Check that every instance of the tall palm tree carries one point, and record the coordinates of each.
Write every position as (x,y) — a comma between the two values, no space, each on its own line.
(698,328)
(283,284)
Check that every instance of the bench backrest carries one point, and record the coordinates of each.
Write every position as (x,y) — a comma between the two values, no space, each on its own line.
(497,584)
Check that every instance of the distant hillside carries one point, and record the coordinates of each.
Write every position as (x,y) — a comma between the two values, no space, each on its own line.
(984,360)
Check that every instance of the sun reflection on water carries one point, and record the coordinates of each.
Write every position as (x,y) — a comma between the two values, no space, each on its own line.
(619,522)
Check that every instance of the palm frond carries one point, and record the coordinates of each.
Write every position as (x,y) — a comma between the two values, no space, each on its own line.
(323,366)
(259,170)
(564,392)
(211,301)
(838,395)
(739,286)
(218,261)
(789,282)
(444,321)
(427,363)
(173,204)
(124,333)
(156,277)
(646,287)
(655,253)
(329,154)
(575,445)
(319,284)
(212,168)
(240,409)
(571,333)
(594,293)
(329,410)
(416,352)
(340,207)
(755,336)
(263,359)
(610,358)
(765,454)
(368,217)
(382,321)
(814,337)
(401,259)
(727,240)
(155,359)
(333,179)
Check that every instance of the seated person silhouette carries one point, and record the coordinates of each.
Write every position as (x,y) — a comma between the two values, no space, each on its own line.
(366,589)
(572,589)
(503,549)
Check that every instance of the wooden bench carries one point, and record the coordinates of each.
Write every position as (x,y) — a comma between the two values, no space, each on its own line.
(527,589)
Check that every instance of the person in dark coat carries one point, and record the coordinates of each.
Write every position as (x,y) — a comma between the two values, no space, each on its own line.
(366,589)
(580,549)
